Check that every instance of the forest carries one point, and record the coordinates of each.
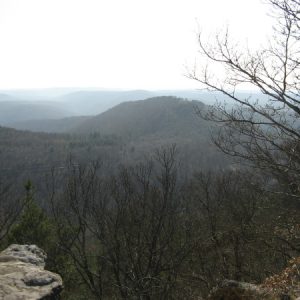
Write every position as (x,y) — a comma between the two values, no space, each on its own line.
(167,196)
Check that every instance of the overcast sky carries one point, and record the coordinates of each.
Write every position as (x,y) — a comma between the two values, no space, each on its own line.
(128,44)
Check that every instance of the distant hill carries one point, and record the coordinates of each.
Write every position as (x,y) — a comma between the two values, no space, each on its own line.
(22,109)
(49,125)
(160,116)
(95,102)
(12,110)
(146,125)
(80,102)
(87,102)
(124,134)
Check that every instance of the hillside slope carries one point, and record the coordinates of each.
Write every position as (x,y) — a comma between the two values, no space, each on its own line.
(160,116)
(126,133)
(144,126)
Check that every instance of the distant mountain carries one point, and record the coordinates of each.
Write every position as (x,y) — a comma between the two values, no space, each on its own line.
(95,102)
(123,134)
(12,110)
(19,106)
(168,116)
(79,102)
(54,104)
(160,116)
(143,126)
(39,94)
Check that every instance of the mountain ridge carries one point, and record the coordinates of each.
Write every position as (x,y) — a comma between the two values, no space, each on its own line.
(162,116)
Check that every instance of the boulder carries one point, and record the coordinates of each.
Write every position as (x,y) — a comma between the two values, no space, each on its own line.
(23,277)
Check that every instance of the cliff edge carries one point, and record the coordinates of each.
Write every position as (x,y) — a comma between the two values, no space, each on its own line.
(23,277)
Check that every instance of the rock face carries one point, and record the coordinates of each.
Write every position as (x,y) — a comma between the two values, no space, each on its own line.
(235,290)
(22,275)
(282,286)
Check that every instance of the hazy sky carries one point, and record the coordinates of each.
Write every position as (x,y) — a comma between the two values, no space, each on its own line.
(142,44)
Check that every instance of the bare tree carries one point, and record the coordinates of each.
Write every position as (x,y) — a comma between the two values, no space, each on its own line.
(242,235)
(127,235)
(227,206)
(70,205)
(146,234)
(265,132)
(10,208)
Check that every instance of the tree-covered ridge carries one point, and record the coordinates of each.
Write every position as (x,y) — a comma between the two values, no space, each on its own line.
(125,133)
(160,116)
(24,154)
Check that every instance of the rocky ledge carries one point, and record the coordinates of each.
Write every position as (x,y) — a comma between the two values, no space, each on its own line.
(22,275)
(282,286)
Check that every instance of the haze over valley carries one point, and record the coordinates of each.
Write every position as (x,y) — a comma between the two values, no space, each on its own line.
(128,123)
(19,106)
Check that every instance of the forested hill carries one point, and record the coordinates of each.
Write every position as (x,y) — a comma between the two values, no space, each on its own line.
(159,116)
(63,125)
(163,116)
(25,154)
(125,133)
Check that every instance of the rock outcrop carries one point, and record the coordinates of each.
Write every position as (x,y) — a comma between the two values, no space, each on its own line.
(282,286)
(22,275)
(235,290)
